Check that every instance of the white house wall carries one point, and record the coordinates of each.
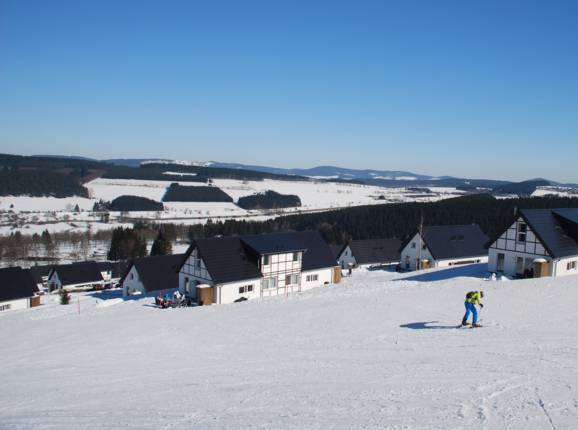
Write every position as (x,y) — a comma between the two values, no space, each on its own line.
(228,293)
(346,257)
(324,276)
(192,273)
(561,267)
(54,282)
(14,305)
(512,248)
(132,283)
(415,253)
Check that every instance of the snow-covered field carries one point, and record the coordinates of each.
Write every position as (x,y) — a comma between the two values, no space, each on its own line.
(557,191)
(379,351)
(34,214)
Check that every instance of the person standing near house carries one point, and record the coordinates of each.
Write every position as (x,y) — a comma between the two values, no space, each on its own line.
(473,298)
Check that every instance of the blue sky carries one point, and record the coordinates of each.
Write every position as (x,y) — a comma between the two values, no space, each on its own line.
(465,88)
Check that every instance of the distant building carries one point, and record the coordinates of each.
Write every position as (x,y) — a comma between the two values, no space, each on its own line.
(444,245)
(40,275)
(245,267)
(369,253)
(112,271)
(539,242)
(152,274)
(18,290)
(76,275)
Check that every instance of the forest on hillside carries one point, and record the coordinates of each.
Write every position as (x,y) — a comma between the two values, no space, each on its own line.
(180,193)
(269,200)
(392,220)
(16,181)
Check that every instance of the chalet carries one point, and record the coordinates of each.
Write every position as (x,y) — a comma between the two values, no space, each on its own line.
(76,275)
(228,269)
(444,245)
(152,274)
(369,253)
(539,242)
(18,289)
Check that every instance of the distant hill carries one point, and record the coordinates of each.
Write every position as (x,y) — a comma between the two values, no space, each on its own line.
(522,189)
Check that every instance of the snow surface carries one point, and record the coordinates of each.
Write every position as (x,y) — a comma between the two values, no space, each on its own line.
(34,214)
(380,350)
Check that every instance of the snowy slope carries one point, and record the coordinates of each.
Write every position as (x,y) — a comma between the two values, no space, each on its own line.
(372,352)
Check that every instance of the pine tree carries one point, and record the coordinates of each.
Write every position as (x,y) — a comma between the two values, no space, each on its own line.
(161,245)
(64,296)
(126,243)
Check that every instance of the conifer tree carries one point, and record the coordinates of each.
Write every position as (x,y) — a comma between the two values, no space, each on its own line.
(162,245)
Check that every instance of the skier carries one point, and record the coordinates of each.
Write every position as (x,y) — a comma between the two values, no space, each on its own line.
(472,299)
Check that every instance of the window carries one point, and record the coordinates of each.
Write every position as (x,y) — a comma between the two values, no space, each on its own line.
(571,265)
(522,227)
(423,247)
(292,279)
(521,237)
(266,260)
(132,276)
(5,307)
(269,283)
(413,244)
(245,289)
(312,278)
(295,256)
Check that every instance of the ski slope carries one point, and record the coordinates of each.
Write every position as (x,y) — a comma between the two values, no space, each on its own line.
(378,351)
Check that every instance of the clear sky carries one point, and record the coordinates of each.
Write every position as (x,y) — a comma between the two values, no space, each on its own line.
(485,89)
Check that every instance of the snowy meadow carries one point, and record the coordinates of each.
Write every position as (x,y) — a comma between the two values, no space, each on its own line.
(379,350)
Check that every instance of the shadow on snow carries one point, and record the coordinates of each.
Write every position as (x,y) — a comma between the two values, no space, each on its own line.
(425,326)
(479,270)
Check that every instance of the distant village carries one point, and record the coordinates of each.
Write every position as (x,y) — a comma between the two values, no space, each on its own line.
(229,269)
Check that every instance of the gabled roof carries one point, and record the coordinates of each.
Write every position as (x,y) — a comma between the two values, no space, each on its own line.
(557,229)
(373,251)
(317,253)
(117,268)
(16,283)
(78,273)
(40,271)
(226,259)
(336,250)
(231,259)
(273,243)
(160,272)
(455,241)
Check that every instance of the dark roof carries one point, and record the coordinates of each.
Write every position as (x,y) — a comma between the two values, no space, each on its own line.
(226,259)
(557,229)
(317,253)
(16,283)
(273,243)
(117,268)
(160,272)
(455,241)
(374,251)
(336,250)
(39,271)
(78,273)
(230,259)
